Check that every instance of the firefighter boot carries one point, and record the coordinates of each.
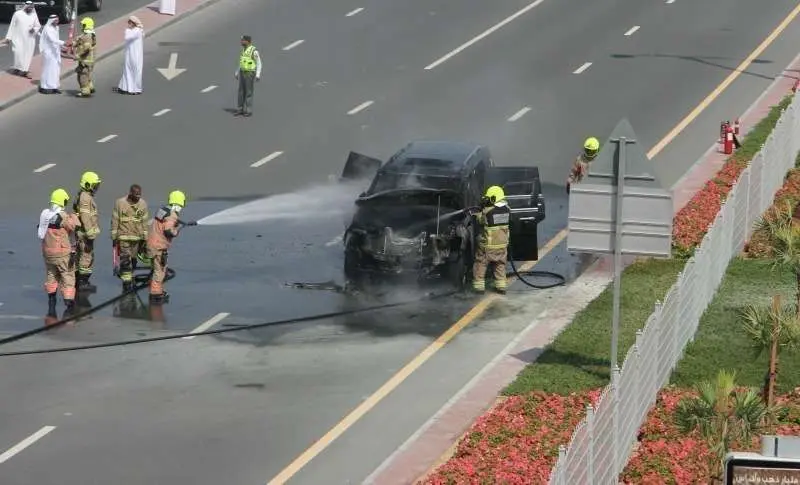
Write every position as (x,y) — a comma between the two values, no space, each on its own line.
(84,285)
(70,310)
(51,304)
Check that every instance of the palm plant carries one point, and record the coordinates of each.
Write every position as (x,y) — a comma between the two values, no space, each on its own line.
(723,415)
(781,228)
(772,329)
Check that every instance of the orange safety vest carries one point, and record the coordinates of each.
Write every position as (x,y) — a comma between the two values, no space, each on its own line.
(57,240)
(163,229)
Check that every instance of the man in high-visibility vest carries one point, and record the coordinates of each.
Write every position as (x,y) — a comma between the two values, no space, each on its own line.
(492,241)
(248,72)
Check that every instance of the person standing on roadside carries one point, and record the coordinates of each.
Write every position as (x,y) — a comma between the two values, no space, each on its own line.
(248,72)
(21,36)
(129,232)
(131,82)
(50,45)
(84,55)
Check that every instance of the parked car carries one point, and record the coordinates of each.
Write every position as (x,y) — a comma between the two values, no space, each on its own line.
(45,8)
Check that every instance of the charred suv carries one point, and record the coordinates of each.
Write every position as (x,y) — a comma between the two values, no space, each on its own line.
(415,216)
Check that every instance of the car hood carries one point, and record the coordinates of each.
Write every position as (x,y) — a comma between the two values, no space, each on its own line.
(407,211)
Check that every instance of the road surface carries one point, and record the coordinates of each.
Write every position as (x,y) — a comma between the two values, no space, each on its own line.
(239,407)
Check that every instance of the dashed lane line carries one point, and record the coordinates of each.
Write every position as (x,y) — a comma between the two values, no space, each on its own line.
(272,156)
(47,166)
(162,112)
(360,107)
(583,68)
(293,45)
(208,324)
(208,89)
(354,12)
(670,1)
(482,35)
(19,447)
(106,138)
(632,30)
(519,114)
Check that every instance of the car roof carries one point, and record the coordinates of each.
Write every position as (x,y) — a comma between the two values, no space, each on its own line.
(451,156)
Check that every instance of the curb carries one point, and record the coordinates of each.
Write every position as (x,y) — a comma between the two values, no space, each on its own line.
(66,73)
(413,456)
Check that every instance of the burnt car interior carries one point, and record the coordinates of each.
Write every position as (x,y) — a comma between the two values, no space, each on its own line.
(415,215)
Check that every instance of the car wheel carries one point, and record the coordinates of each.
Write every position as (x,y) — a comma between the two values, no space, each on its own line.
(459,271)
(95,5)
(65,13)
(352,273)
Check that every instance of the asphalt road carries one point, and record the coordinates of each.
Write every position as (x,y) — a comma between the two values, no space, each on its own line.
(238,408)
(112,9)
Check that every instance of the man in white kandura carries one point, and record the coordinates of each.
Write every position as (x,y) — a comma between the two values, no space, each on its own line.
(50,45)
(167,7)
(21,35)
(131,82)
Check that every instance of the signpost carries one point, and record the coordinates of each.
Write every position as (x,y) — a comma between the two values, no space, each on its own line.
(620,208)
(778,463)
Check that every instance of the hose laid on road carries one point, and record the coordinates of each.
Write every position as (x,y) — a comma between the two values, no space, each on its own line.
(537,274)
(142,280)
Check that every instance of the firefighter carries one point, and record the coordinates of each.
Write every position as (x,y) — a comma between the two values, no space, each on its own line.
(86,209)
(492,245)
(129,231)
(581,164)
(56,229)
(84,55)
(164,228)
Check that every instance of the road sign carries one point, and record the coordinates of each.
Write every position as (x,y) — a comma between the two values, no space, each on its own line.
(778,463)
(620,207)
(646,210)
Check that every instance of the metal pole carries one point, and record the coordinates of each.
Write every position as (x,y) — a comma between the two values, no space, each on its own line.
(620,167)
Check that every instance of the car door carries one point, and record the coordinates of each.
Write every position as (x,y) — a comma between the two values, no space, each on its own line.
(360,166)
(523,190)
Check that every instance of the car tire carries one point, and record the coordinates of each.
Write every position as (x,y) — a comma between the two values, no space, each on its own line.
(65,12)
(353,276)
(460,270)
(95,5)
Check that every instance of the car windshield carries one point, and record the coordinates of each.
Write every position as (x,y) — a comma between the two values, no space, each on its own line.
(393,180)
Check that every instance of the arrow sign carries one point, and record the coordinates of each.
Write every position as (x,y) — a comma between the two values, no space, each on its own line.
(171,71)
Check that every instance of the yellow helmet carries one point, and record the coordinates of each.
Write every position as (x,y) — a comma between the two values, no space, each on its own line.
(590,147)
(87,23)
(59,197)
(90,181)
(495,194)
(176,197)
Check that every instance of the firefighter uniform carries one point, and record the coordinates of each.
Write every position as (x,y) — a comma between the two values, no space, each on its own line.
(492,241)
(56,229)
(164,228)
(580,167)
(129,233)
(84,54)
(86,209)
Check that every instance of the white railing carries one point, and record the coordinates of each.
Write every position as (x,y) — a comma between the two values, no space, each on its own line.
(600,445)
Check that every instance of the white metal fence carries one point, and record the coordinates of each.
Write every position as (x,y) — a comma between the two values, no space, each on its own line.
(600,445)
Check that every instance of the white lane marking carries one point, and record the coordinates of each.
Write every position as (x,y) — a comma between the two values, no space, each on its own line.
(519,114)
(584,67)
(632,30)
(25,443)
(293,44)
(42,169)
(334,241)
(210,88)
(208,324)
(482,35)
(360,107)
(670,1)
(272,156)
(358,10)
(106,138)
(162,112)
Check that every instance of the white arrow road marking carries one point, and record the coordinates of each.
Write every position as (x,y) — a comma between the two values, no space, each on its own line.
(172,71)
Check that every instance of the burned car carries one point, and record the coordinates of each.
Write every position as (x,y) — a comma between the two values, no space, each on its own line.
(415,216)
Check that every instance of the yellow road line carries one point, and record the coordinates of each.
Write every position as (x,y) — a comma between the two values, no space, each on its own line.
(724,85)
(481,306)
(397,379)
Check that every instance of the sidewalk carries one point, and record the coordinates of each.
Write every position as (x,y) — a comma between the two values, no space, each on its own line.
(424,450)
(109,39)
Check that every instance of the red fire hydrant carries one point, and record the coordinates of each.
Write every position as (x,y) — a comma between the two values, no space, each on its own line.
(727,137)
